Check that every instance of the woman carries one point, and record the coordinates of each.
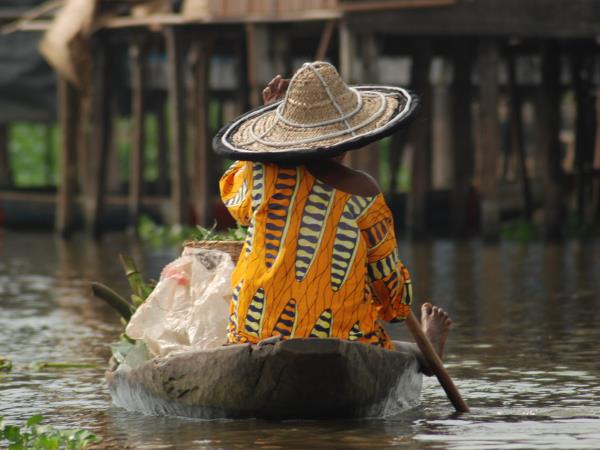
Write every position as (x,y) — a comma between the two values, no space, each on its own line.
(320,259)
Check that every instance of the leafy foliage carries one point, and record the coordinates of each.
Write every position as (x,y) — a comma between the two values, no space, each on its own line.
(34,435)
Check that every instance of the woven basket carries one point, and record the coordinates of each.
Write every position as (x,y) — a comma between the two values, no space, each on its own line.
(233,248)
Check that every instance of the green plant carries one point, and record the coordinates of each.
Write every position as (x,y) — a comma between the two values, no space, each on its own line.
(5,364)
(33,435)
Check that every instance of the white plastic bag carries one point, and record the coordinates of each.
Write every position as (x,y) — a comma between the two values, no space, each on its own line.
(189,307)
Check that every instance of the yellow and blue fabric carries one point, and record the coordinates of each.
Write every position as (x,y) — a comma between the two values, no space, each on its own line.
(317,261)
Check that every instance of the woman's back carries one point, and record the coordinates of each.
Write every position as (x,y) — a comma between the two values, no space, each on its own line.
(318,261)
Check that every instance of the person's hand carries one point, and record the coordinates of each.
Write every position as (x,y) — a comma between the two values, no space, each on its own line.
(275,89)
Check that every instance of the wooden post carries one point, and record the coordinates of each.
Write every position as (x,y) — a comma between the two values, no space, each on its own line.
(367,159)
(161,138)
(347,52)
(325,40)
(581,76)
(101,128)
(254,97)
(516,133)
(420,137)
(595,204)
(462,137)
(178,125)
(548,154)
(136,177)
(201,156)
(68,117)
(6,180)
(489,61)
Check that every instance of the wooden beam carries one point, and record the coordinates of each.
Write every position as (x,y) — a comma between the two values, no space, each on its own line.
(325,40)
(201,156)
(489,62)
(548,153)
(136,177)
(6,180)
(420,138)
(68,117)
(463,156)
(178,125)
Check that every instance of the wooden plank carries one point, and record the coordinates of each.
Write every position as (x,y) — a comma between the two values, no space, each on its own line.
(178,125)
(365,6)
(548,153)
(101,132)
(136,175)
(489,61)
(6,180)
(532,18)
(463,159)
(420,138)
(201,156)
(68,117)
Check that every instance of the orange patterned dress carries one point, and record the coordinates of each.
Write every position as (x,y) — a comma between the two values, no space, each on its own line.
(317,262)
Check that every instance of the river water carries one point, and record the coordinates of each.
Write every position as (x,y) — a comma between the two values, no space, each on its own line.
(524,350)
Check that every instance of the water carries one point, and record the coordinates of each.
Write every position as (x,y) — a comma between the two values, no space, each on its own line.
(523,350)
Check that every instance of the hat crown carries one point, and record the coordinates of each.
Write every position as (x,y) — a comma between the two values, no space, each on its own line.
(316,94)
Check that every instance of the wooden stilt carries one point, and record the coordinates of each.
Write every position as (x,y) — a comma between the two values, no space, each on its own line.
(136,177)
(395,158)
(101,130)
(178,125)
(462,137)
(367,159)
(201,168)
(5,167)
(252,70)
(516,134)
(48,156)
(347,52)
(161,138)
(68,116)
(489,60)
(548,154)
(595,203)
(420,137)
(325,40)
(581,76)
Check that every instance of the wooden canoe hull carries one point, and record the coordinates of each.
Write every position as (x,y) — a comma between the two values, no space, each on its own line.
(298,378)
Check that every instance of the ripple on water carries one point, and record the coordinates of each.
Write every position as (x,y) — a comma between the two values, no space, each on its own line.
(520,351)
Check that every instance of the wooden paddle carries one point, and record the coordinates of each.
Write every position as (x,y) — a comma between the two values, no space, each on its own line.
(435,363)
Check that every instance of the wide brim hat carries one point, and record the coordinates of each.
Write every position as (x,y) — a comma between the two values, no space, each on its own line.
(319,116)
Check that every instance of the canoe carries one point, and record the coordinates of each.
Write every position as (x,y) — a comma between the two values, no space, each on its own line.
(291,379)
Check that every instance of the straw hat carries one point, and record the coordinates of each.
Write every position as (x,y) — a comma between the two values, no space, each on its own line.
(320,116)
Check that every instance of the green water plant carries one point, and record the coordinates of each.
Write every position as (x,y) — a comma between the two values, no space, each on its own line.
(161,235)
(34,435)
(5,364)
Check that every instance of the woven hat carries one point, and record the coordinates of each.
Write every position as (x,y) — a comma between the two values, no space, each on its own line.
(320,116)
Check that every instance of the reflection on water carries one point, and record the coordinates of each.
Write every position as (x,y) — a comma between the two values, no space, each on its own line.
(523,350)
